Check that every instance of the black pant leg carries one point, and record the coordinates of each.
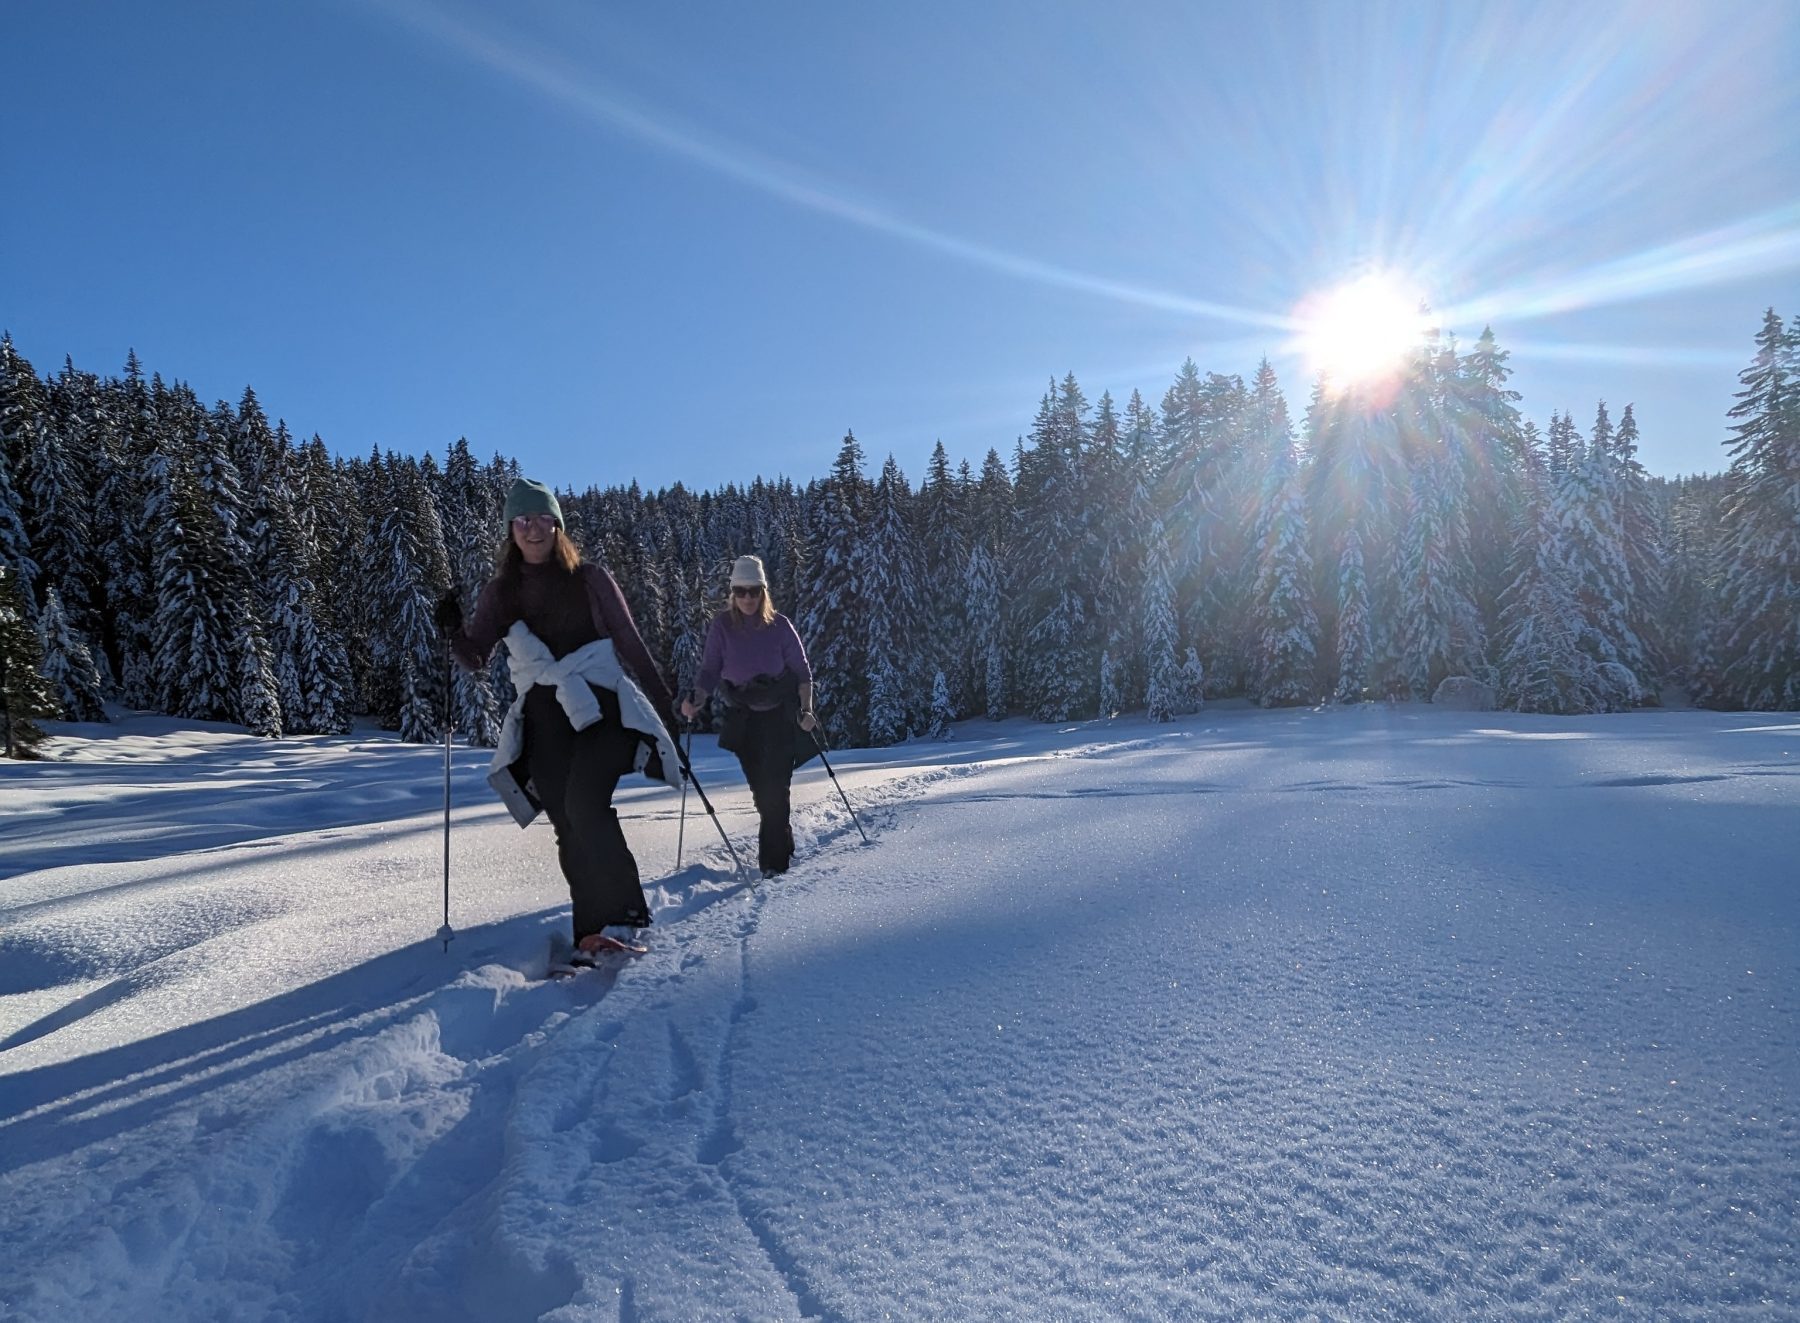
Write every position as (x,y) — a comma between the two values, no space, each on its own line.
(769,769)
(575,773)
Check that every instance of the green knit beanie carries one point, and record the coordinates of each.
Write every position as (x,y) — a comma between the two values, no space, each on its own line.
(529,498)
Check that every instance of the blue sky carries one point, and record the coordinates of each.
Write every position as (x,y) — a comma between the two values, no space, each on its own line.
(699,242)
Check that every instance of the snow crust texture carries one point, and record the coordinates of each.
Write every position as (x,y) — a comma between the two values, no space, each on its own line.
(1374,1013)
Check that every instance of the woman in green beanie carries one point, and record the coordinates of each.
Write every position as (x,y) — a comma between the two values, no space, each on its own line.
(590,708)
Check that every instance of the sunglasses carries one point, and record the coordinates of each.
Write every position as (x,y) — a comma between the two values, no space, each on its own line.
(526,522)
(755,591)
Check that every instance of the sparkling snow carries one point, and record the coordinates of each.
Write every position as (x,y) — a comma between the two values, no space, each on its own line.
(1360,1013)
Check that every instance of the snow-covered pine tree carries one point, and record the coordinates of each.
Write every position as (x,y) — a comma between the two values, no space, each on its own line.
(1163,697)
(1601,438)
(1192,686)
(1112,695)
(1113,592)
(15,546)
(209,656)
(21,415)
(328,502)
(225,523)
(367,570)
(1493,448)
(792,534)
(1202,422)
(1053,567)
(1561,443)
(985,636)
(1468,487)
(249,441)
(833,620)
(469,515)
(943,712)
(1689,618)
(1354,647)
(418,573)
(59,480)
(944,555)
(1184,434)
(1542,665)
(1759,649)
(1104,486)
(1424,588)
(1646,554)
(305,655)
(124,597)
(68,665)
(693,601)
(1257,427)
(1126,482)
(895,612)
(1355,482)
(988,513)
(312,668)
(1288,655)
(1592,543)
(26,695)
(1441,633)
(991,507)
(193,631)
(258,697)
(649,595)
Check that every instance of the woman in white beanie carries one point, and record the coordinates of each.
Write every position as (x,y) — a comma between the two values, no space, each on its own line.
(754,656)
(590,708)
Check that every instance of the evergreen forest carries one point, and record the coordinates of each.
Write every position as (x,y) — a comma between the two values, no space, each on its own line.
(205,563)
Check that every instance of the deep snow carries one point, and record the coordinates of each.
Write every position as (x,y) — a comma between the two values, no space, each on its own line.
(1354,1013)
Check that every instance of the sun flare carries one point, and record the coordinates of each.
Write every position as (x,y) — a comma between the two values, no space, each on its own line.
(1361,332)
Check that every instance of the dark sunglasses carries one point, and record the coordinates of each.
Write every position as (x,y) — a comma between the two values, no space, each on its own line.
(753,591)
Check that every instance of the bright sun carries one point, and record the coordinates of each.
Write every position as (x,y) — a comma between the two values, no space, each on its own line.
(1360,332)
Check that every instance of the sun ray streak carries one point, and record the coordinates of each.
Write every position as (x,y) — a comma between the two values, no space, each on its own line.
(780,179)
(1761,245)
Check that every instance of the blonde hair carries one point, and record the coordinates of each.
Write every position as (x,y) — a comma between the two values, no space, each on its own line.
(765,616)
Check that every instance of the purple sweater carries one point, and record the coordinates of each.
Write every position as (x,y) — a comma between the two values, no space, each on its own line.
(741,652)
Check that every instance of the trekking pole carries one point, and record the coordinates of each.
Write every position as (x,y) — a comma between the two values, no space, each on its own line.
(447,932)
(687,730)
(737,864)
(840,789)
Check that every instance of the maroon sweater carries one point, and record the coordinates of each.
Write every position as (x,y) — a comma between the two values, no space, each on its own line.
(565,611)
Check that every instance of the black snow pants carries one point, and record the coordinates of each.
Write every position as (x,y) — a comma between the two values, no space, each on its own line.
(767,757)
(574,774)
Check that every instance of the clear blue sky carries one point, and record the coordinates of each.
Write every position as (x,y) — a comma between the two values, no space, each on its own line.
(700,241)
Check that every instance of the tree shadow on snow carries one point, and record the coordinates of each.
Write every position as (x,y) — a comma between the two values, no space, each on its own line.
(53,1110)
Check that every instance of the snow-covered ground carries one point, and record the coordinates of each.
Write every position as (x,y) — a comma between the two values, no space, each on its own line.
(1370,1013)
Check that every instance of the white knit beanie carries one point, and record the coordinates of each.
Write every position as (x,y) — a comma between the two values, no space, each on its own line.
(747,572)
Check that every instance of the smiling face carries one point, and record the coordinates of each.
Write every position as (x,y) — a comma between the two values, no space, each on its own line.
(535,537)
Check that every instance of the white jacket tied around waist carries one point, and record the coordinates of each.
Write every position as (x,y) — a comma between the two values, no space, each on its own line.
(530,663)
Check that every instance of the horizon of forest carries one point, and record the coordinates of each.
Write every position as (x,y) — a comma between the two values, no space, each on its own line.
(201,562)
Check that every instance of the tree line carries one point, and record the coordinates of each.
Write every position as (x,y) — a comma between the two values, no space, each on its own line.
(203,562)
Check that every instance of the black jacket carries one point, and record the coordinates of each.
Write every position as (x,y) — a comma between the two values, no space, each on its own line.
(764,693)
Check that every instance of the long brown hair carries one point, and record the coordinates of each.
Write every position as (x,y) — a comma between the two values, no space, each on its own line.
(766,615)
(564,554)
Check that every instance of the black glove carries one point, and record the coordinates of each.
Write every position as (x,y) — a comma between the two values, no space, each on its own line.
(449,616)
